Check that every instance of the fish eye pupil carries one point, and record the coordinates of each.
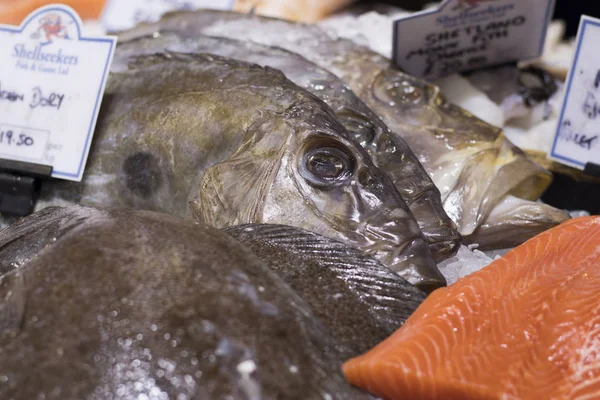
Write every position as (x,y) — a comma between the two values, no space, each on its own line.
(325,165)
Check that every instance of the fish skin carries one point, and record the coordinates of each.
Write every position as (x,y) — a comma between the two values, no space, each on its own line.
(360,301)
(128,303)
(389,152)
(227,142)
(525,327)
(461,153)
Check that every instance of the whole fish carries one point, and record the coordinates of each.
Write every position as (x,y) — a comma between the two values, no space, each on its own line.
(471,162)
(388,151)
(360,301)
(228,142)
(134,304)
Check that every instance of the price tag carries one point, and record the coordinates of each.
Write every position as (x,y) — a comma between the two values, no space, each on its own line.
(577,138)
(462,35)
(119,15)
(51,84)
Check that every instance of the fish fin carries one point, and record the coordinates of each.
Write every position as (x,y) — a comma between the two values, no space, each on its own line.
(12,302)
(474,179)
(234,191)
(514,221)
(388,295)
(519,176)
(142,61)
(48,225)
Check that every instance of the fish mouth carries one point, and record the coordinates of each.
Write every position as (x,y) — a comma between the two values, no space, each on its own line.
(389,238)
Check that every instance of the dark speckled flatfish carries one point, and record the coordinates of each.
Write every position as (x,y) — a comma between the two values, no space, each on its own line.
(125,304)
(359,300)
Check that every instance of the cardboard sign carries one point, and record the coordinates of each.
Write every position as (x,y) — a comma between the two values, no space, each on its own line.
(462,35)
(52,80)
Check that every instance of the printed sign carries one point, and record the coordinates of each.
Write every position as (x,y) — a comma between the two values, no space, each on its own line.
(577,138)
(51,85)
(462,35)
(120,15)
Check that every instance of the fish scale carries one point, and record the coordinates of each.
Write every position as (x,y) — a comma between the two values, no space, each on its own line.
(371,296)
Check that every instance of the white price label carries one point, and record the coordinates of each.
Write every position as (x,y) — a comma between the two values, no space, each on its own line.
(577,138)
(51,84)
(119,15)
(462,35)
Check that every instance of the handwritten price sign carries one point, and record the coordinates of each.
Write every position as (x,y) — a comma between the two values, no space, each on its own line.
(462,35)
(51,85)
(577,138)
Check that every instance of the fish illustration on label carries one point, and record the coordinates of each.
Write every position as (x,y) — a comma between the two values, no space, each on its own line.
(51,27)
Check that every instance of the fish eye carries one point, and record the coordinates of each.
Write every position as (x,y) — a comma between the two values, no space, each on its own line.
(327,165)
(400,90)
(360,127)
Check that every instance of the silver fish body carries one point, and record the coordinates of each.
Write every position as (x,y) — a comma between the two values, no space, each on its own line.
(470,161)
(389,152)
(135,304)
(228,142)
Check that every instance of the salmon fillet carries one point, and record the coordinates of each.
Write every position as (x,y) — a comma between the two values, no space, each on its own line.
(525,327)
(13,12)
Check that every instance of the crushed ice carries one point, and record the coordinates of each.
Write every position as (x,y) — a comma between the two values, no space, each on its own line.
(465,262)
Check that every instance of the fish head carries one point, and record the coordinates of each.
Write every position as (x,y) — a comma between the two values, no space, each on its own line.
(470,161)
(415,103)
(301,169)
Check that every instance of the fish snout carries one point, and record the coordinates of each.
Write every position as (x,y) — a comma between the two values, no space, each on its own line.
(418,267)
(393,237)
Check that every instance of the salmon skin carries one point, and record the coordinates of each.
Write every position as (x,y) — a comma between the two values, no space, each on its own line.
(525,327)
